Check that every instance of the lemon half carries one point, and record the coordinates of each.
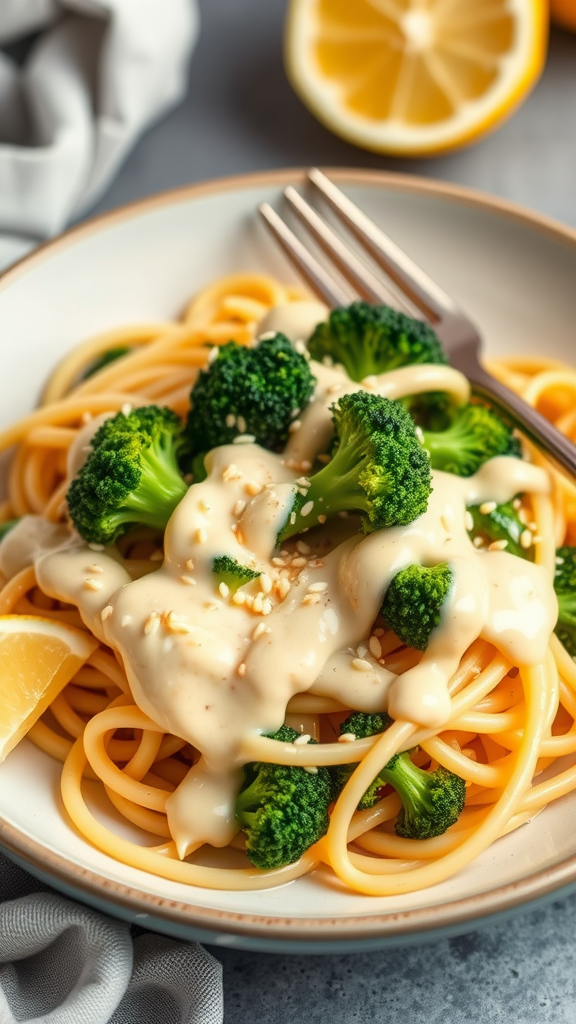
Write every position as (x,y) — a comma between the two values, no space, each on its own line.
(414,77)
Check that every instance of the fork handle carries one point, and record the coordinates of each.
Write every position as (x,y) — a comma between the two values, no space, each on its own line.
(558,448)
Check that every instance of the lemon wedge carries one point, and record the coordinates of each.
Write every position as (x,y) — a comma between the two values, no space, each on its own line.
(414,77)
(38,657)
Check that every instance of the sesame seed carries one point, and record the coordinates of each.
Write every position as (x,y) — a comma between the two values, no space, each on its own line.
(526,539)
(125,621)
(258,600)
(305,465)
(307,508)
(94,568)
(302,547)
(266,606)
(498,545)
(294,426)
(487,507)
(279,562)
(334,389)
(324,459)
(445,523)
(231,472)
(523,516)
(370,382)
(152,623)
(203,505)
(419,434)
(300,347)
(241,669)
(241,424)
(267,336)
(175,625)
(230,420)
(239,598)
(252,488)
(213,354)
(478,542)
(224,589)
(259,630)
(375,647)
(347,737)
(322,518)
(211,606)
(91,584)
(156,556)
(96,547)
(318,588)
(379,631)
(533,526)
(106,612)
(188,580)
(126,409)
(292,518)
(249,601)
(201,536)
(311,769)
(299,561)
(244,439)
(234,527)
(265,583)
(86,418)
(311,599)
(559,561)
(283,588)
(468,520)
(316,563)
(303,481)
(361,665)
(517,503)
(189,564)
(239,508)
(302,740)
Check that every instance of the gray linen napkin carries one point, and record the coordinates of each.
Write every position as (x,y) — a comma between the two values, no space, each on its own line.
(61,963)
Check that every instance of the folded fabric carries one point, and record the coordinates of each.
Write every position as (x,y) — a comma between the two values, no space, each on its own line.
(98,73)
(61,963)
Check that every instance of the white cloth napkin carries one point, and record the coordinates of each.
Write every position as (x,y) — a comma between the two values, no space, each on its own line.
(99,72)
(61,963)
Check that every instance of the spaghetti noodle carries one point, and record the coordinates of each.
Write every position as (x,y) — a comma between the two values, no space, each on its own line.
(507,723)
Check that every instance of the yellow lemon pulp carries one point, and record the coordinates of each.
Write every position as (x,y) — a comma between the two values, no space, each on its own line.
(38,657)
(414,76)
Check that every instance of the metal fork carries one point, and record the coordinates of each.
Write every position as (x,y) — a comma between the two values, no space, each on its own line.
(410,289)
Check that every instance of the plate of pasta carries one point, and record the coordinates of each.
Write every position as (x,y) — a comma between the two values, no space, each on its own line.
(287,615)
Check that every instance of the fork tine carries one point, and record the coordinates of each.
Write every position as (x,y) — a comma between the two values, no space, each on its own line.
(421,289)
(366,283)
(321,282)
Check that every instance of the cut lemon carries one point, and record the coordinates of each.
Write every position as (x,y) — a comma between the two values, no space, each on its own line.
(38,657)
(413,77)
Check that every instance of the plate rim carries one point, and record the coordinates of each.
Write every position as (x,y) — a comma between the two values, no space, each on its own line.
(416,923)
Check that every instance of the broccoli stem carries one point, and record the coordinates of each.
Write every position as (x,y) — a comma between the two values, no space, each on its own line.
(160,490)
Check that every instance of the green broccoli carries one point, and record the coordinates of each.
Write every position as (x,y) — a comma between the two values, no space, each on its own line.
(104,360)
(5,527)
(413,602)
(130,476)
(359,724)
(227,570)
(283,809)
(257,391)
(369,339)
(475,435)
(502,523)
(431,801)
(378,468)
(565,587)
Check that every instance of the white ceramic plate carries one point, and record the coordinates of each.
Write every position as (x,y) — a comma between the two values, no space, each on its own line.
(515,274)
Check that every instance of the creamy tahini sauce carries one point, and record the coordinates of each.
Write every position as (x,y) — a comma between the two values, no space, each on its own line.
(212,670)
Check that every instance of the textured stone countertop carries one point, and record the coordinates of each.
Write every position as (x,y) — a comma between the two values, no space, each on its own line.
(241,115)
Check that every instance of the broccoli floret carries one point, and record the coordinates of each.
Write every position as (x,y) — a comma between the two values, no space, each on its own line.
(104,360)
(378,468)
(283,810)
(412,604)
(475,435)
(257,391)
(5,527)
(359,725)
(431,801)
(565,587)
(227,570)
(130,476)
(369,339)
(502,523)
